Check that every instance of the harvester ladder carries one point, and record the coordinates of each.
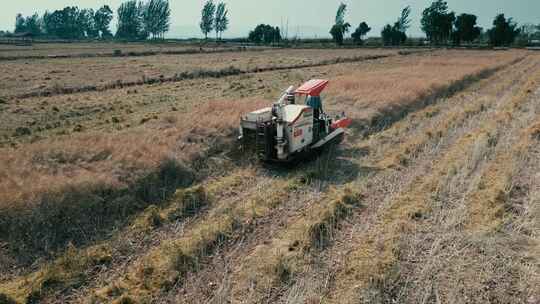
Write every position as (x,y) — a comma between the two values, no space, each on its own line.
(260,140)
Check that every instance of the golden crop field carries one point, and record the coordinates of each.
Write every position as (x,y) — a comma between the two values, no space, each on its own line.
(133,191)
(52,75)
(49,49)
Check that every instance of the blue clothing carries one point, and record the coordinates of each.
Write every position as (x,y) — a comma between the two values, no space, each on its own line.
(314,102)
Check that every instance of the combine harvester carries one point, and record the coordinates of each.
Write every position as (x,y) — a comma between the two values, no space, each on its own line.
(288,131)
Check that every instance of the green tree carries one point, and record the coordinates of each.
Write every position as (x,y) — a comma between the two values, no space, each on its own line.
(102,20)
(437,22)
(527,33)
(404,21)
(465,29)
(360,32)
(47,24)
(85,23)
(207,18)
(30,24)
(387,34)
(340,27)
(34,24)
(396,34)
(221,21)
(129,21)
(75,23)
(164,23)
(20,24)
(156,17)
(503,32)
(391,35)
(265,33)
(57,23)
(68,23)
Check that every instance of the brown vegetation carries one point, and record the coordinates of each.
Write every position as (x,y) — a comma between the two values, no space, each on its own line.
(62,76)
(439,167)
(85,50)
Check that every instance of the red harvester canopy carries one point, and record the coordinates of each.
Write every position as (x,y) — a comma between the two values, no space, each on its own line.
(313,87)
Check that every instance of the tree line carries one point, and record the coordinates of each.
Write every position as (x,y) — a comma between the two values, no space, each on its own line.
(214,18)
(136,20)
(440,25)
(68,23)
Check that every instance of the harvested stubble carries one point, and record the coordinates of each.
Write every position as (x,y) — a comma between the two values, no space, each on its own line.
(409,147)
(49,188)
(372,267)
(89,159)
(276,264)
(69,168)
(166,266)
(478,245)
(77,266)
(376,99)
(313,282)
(66,76)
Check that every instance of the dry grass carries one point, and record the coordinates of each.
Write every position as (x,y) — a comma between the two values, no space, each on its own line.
(57,74)
(69,271)
(378,97)
(277,263)
(136,171)
(477,244)
(487,206)
(119,109)
(77,266)
(398,146)
(37,177)
(110,176)
(96,49)
(115,158)
(166,266)
(372,272)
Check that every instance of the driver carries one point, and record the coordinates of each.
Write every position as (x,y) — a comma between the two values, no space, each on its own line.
(315,103)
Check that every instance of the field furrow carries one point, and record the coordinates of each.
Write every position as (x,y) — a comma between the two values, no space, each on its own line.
(468,247)
(78,267)
(373,265)
(141,194)
(68,76)
(269,268)
(314,282)
(166,266)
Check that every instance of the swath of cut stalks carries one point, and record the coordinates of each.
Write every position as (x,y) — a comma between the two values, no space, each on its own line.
(371,264)
(76,267)
(277,263)
(199,74)
(166,265)
(409,148)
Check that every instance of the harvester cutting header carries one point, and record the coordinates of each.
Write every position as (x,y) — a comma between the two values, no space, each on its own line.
(288,129)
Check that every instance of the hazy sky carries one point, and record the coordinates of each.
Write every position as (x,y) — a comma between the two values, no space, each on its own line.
(306,17)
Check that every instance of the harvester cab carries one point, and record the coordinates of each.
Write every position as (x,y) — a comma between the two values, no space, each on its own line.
(288,128)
